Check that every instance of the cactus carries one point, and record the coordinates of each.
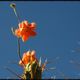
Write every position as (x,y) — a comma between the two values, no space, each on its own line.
(32,71)
(32,67)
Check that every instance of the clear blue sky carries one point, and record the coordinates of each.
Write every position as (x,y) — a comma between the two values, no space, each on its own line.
(58,35)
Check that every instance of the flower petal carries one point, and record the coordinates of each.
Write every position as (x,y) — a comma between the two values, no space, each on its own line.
(33,53)
(26,23)
(25,38)
(20,25)
(32,33)
(17,33)
(23,32)
(33,26)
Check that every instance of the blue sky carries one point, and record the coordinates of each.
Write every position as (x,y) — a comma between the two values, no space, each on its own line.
(58,29)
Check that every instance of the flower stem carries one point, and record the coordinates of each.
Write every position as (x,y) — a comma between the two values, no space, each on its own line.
(18,41)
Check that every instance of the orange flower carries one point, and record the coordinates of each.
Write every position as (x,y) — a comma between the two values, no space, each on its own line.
(28,56)
(26,30)
(25,58)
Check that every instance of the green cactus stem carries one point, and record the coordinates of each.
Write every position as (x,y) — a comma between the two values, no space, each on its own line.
(32,71)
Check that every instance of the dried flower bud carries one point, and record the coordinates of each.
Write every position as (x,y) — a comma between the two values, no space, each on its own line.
(13,5)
